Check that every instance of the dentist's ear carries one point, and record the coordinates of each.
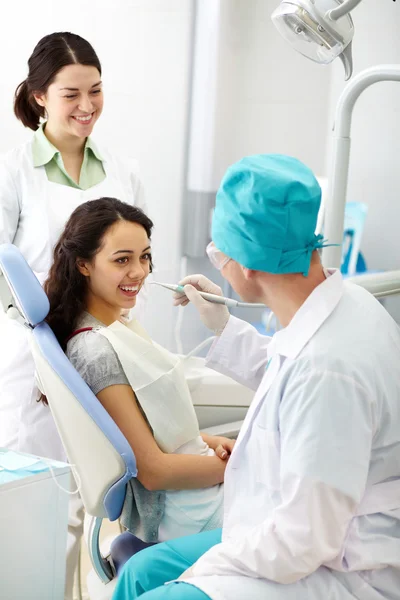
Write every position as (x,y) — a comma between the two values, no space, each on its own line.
(248,273)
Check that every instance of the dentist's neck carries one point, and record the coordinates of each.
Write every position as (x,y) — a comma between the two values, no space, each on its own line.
(285,294)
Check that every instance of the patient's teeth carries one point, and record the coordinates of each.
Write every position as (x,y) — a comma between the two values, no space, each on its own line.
(129,288)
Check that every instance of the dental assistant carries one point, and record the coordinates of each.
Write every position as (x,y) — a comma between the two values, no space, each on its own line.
(312,487)
(41,183)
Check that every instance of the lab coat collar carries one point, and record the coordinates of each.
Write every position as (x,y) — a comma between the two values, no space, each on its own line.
(289,342)
(92,146)
(43,150)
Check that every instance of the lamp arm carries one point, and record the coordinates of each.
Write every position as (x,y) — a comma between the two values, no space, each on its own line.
(336,13)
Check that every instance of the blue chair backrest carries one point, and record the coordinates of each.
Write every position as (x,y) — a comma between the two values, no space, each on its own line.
(34,307)
(354,221)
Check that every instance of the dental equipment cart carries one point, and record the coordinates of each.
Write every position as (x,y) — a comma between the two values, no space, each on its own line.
(33,527)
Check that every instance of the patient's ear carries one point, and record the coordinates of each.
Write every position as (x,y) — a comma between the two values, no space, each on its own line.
(82,267)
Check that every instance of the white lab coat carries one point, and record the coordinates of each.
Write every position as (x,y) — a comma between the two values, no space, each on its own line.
(305,514)
(33,213)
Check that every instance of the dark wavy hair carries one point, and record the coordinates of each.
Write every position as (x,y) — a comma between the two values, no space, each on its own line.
(51,54)
(82,239)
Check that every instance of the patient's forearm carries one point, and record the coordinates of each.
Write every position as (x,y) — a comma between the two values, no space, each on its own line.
(184,472)
(157,470)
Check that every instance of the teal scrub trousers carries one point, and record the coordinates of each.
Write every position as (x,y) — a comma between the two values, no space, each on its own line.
(145,573)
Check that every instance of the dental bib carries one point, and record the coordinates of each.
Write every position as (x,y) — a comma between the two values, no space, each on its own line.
(158,380)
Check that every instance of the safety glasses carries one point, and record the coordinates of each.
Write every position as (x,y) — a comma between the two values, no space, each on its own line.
(218,259)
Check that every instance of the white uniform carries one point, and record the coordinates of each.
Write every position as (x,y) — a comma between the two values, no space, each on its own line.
(33,213)
(312,489)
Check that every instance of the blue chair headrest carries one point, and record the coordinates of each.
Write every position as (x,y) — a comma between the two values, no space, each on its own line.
(25,287)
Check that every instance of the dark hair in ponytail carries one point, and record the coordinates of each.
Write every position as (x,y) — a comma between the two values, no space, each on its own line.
(52,53)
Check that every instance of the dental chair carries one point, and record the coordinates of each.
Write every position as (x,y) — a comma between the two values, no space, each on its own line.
(101,457)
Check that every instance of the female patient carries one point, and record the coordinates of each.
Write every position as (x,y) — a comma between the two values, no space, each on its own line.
(101,262)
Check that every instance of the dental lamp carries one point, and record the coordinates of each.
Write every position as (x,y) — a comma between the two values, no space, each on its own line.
(322,30)
(319,29)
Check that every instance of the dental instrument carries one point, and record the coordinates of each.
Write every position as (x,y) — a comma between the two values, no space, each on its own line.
(211,297)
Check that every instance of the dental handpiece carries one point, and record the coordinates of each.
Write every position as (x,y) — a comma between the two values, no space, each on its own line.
(229,302)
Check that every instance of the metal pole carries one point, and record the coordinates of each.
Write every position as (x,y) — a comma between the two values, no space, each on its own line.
(337,189)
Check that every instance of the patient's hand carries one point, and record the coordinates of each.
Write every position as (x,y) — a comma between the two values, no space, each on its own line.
(222,446)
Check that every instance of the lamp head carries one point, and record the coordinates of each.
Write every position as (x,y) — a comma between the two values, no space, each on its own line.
(313,29)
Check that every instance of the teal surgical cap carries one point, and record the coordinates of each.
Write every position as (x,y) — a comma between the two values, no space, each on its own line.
(266,213)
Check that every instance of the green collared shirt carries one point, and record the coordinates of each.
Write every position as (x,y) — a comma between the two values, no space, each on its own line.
(47,155)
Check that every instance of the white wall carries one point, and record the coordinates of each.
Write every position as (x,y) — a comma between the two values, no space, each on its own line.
(374,176)
(271,98)
(268,98)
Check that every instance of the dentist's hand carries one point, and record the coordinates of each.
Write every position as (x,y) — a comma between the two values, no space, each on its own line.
(214,316)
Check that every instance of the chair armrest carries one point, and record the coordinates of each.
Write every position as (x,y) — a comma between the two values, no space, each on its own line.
(379,284)
(101,565)
(229,430)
